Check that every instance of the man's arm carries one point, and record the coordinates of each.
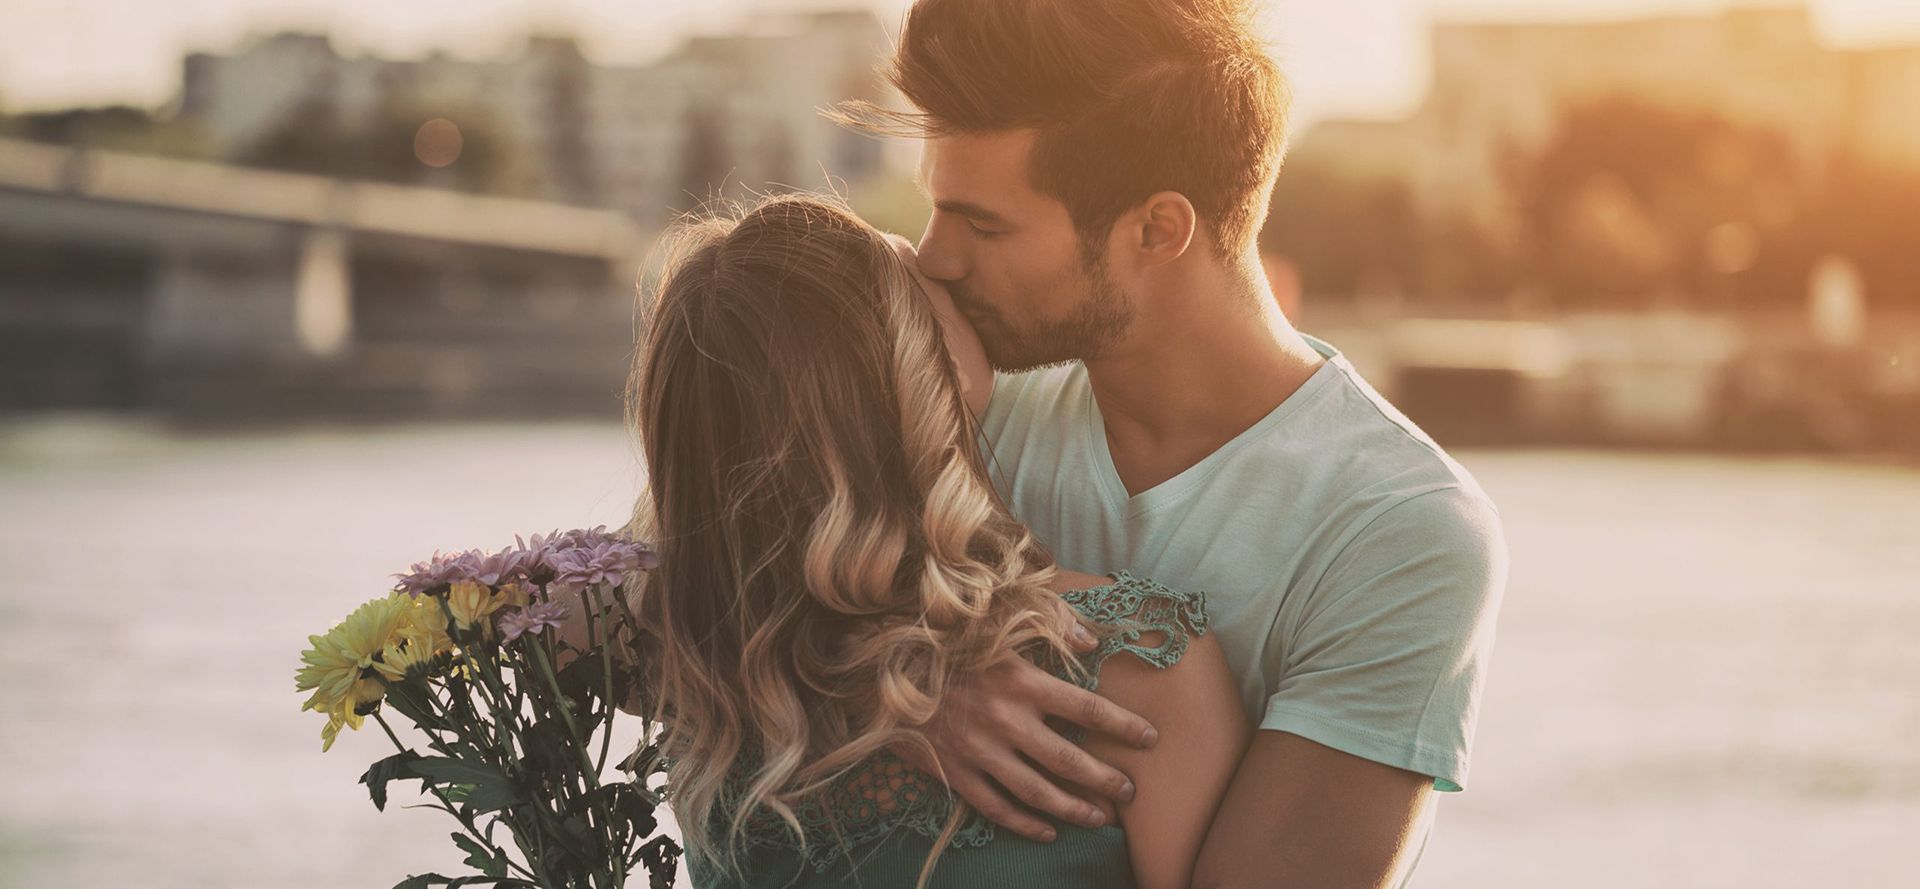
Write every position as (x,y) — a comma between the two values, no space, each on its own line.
(1302,814)
(1375,702)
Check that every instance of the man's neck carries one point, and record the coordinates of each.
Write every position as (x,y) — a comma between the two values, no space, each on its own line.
(1204,360)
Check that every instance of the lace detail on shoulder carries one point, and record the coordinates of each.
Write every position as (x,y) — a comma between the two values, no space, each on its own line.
(885,794)
(882,795)
(1149,620)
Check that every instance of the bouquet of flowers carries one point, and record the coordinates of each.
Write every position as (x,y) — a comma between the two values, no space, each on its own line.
(483,654)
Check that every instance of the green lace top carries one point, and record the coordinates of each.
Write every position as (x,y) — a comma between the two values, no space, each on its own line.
(876,824)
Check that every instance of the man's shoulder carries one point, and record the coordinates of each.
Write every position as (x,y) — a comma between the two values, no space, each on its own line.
(1354,473)
(1395,498)
(1357,439)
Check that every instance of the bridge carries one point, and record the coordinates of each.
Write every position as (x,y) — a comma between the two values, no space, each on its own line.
(207,290)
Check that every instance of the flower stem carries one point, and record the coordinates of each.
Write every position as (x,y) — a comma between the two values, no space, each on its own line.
(389,730)
(465,822)
(616,831)
(606,663)
(541,660)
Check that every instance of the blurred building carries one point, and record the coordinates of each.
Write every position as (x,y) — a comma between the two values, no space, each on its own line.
(1753,291)
(209,291)
(1499,91)
(382,266)
(733,110)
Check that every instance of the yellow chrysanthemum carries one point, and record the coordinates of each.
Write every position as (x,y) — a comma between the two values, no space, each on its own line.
(426,618)
(472,603)
(341,658)
(335,720)
(350,711)
(422,634)
(368,690)
(518,594)
(463,667)
(405,653)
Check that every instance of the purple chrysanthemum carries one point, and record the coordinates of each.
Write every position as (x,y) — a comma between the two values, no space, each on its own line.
(531,619)
(506,566)
(572,559)
(440,571)
(577,559)
(577,569)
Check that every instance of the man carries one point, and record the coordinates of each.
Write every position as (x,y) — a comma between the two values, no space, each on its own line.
(1099,172)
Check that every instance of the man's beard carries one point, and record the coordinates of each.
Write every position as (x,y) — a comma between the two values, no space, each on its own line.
(1086,333)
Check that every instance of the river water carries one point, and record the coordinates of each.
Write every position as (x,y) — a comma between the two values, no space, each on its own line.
(1707,674)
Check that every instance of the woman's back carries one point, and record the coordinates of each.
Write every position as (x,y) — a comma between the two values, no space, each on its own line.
(876,825)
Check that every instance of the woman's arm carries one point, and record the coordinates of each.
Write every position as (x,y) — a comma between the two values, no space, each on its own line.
(1180,781)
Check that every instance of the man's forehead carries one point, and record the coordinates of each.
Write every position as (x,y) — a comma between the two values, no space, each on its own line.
(978,168)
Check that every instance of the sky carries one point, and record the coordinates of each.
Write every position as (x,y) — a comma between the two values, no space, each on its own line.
(1345,57)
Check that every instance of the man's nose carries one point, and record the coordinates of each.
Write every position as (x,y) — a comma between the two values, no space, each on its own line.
(938,259)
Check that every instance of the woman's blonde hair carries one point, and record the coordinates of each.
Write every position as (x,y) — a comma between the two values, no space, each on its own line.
(832,552)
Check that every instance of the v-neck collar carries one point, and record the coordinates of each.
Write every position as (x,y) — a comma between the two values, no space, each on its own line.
(1174,489)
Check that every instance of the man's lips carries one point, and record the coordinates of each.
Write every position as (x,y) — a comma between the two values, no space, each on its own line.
(969,308)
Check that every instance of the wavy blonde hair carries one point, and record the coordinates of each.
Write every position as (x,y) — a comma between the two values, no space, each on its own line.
(832,551)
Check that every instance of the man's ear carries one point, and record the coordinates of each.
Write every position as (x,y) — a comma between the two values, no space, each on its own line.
(1166,225)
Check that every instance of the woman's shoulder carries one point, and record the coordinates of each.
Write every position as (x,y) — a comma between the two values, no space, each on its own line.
(1179,680)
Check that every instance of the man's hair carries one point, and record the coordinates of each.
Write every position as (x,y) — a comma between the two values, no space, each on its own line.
(1127,98)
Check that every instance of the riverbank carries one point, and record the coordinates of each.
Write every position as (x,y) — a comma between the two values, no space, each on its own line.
(1704,673)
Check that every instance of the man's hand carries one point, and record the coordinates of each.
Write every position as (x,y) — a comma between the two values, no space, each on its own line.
(993,745)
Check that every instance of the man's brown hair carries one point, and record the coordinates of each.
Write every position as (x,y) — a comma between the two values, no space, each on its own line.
(1126,97)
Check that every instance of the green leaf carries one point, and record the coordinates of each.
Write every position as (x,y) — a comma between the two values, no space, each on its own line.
(491,797)
(643,762)
(630,802)
(583,681)
(408,698)
(487,789)
(431,880)
(456,771)
(491,862)
(394,767)
(662,860)
(548,749)
(575,827)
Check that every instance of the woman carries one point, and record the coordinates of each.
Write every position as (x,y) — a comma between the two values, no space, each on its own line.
(833,555)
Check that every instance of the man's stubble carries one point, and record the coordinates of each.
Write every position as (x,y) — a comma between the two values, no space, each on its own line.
(1094,325)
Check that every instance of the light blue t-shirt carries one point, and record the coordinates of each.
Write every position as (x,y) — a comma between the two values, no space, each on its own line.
(1352,569)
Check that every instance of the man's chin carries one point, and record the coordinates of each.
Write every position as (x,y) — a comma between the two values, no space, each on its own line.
(1020,360)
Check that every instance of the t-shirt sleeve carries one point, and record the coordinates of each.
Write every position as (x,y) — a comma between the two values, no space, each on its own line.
(1389,656)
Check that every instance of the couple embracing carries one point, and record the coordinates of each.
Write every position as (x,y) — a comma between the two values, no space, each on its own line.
(1046,552)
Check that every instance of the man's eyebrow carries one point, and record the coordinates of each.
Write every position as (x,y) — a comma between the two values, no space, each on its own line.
(968,209)
(971,211)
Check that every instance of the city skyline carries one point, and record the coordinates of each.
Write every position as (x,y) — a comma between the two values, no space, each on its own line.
(92,52)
